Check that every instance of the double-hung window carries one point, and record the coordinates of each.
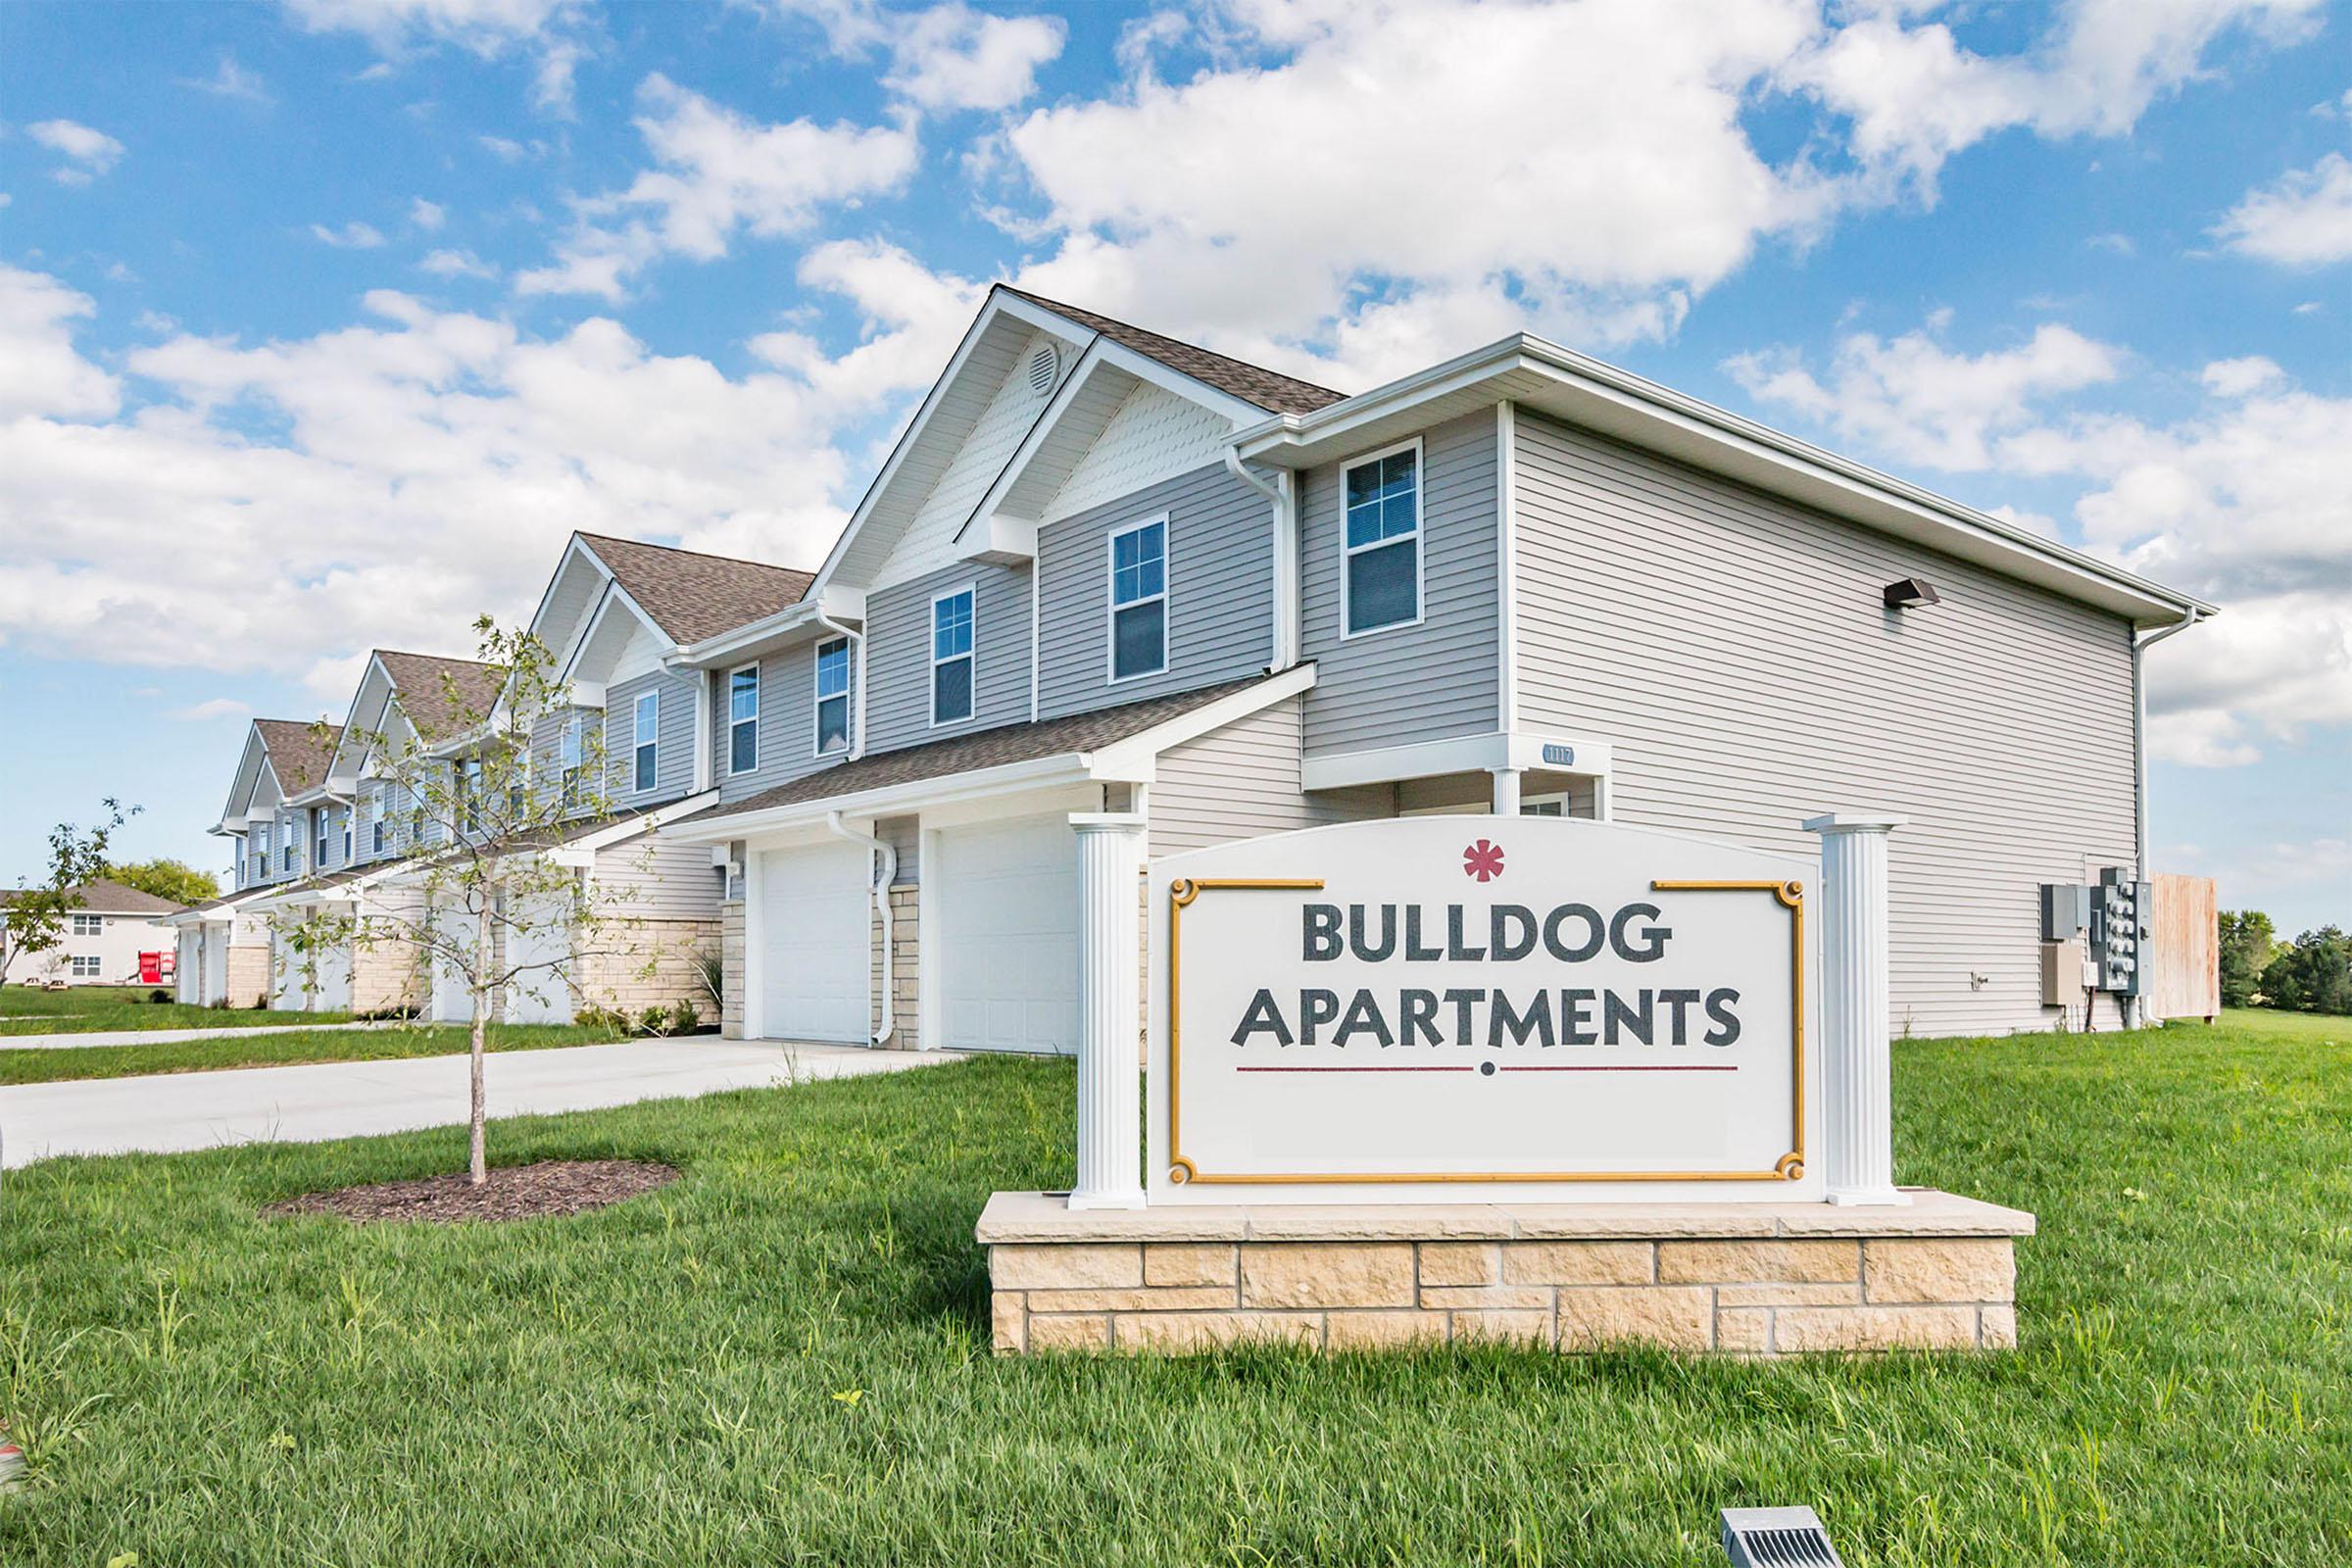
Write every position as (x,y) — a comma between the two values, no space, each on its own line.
(469,794)
(952,657)
(286,843)
(261,858)
(347,811)
(743,719)
(645,738)
(379,805)
(832,696)
(86,967)
(1381,559)
(568,757)
(89,925)
(321,823)
(1139,600)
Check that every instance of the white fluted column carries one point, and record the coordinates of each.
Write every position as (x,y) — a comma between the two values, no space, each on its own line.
(1110,1155)
(1857,1066)
(1506,791)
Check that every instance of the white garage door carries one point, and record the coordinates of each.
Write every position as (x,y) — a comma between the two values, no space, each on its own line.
(538,994)
(815,919)
(332,991)
(1006,897)
(452,1002)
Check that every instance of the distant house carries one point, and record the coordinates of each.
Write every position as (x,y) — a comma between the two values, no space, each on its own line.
(110,927)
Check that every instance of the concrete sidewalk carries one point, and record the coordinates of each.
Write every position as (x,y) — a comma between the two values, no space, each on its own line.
(176,1111)
(160,1037)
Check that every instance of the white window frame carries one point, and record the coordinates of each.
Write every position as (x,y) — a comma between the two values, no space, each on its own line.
(348,813)
(467,779)
(375,819)
(818,697)
(1111,604)
(571,757)
(96,969)
(640,742)
(321,824)
(1419,537)
(88,925)
(971,655)
(733,723)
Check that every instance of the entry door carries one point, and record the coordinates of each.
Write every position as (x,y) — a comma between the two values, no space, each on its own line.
(333,992)
(538,994)
(815,945)
(1006,897)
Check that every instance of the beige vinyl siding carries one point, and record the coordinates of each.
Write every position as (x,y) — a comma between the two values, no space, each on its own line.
(1734,650)
(1242,782)
(1413,683)
(1220,606)
(653,878)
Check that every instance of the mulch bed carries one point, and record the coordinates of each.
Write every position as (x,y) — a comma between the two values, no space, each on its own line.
(513,1191)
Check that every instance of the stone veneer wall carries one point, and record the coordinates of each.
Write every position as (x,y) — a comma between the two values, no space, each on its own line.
(730,947)
(1363,1284)
(386,975)
(906,980)
(619,979)
(248,973)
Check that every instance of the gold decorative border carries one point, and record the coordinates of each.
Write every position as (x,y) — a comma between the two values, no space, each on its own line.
(1181,1171)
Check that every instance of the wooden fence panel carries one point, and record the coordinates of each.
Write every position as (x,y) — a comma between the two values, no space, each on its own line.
(2188,948)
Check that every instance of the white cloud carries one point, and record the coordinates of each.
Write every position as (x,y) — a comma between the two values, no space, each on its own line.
(230,81)
(211,707)
(423,467)
(427,215)
(352,236)
(943,58)
(88,152)
(504,149)
(2247,502)
(457,264)
(717,174)
(485,26)
(2303,219)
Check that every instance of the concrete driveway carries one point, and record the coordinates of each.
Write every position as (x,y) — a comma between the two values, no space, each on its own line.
(175,1111)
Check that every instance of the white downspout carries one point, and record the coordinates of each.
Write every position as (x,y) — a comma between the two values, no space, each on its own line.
(2141,644)
(880,890)
(1282,491)
(856,683)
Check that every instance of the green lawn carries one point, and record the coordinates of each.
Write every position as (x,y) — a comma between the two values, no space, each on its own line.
(25,1010)
(784,1357)
(56,1063)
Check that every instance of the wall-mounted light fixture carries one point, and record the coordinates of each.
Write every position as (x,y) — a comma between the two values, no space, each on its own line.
(1911,592)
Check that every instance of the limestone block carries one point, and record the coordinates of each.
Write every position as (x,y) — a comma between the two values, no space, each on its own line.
(1996,1328)
(1327,1274)
(1380,1331)
(1516,1327)
(1743,1330)
(1578,1262)
(1188,1263)
(1875,1328)
(1147,1299)
(1459,1263)
(1939,1268)
(1759,1262)
(1201,1331)
(1008,1322)
(1839,1293)
(1675,1317)
(1082,1266)
(1071,1332)
(1486,1297)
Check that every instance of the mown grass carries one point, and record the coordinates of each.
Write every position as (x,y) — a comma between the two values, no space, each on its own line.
(59,1063)
(81,1009)
(784,1357)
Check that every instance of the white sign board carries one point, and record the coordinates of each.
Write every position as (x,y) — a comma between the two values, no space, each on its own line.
(1482,1010)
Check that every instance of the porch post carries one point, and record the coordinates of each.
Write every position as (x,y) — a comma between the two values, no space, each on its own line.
(1110,855)
(1506,791)
(1857,1111)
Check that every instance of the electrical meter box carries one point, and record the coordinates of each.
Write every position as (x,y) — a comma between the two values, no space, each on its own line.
(2065,910)
(2119,911)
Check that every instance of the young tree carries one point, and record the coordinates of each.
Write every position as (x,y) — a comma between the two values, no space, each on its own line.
(482,890)
(176,880)
(34,921)
(2247,944)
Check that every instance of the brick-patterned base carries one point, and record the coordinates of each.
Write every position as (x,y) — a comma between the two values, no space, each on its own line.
(388,975)
(730,947)
(636,965)
(248,973)
(1734,1279)
(906,954)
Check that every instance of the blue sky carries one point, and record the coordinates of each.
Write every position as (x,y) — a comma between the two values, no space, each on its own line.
(326,322)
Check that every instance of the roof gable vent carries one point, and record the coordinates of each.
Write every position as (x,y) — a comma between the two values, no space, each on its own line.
(1043,364)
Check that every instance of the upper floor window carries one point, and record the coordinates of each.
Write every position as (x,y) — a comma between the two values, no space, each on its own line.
(322,823)
(832,696)
(568,755)
(645,738)
(89,925)
(1139,600)
(378,807)
(952,657)
(1381,555)
(347,811)
(469,794)
(743,719)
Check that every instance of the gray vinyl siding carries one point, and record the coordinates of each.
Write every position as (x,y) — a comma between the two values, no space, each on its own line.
(786,722)
(898,627)
(547,751)
(651,877)
(1242,782)
(673,757)
(1220,592)
(1734,650)
(1428,681)
(903,834)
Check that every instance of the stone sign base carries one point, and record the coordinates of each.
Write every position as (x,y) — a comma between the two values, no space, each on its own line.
(1749,1279)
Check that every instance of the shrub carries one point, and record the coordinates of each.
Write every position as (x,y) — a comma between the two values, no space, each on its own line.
(686,1016)
(605,1018)
(655,1021)
(159,994)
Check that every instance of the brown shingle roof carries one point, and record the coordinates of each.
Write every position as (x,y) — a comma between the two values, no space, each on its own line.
(298,750)
(692,595)
(441,697)
(1270,390)
(987,748)
(112,898)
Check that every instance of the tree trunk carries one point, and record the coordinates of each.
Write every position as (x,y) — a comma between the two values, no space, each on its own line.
(477,1167)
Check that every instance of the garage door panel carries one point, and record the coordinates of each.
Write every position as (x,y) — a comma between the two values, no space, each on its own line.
(538,994)
(1008,905)
(814,916)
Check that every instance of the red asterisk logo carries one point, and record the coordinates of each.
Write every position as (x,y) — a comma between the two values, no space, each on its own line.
(1483,861)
